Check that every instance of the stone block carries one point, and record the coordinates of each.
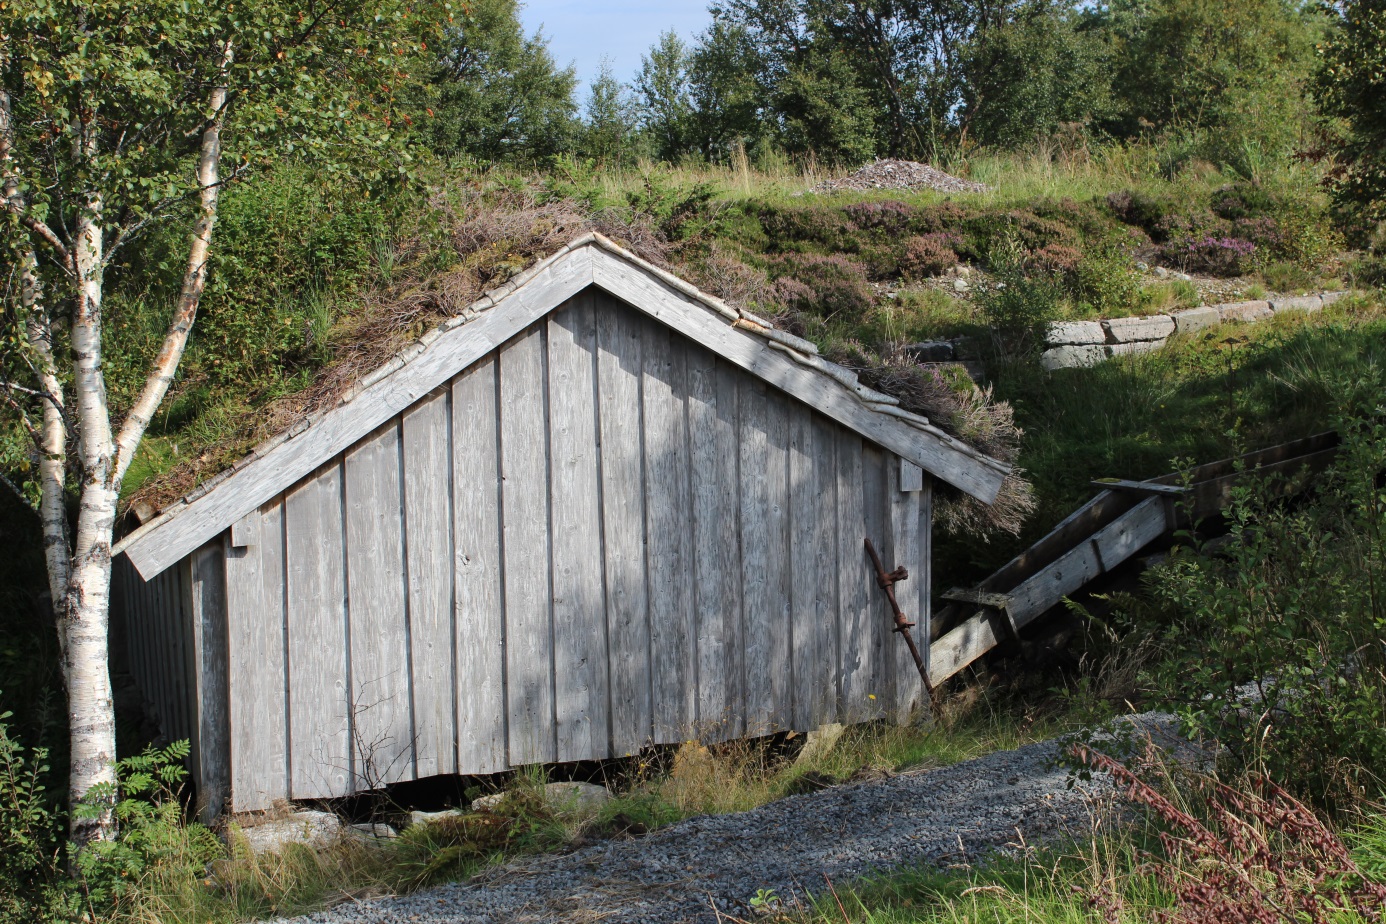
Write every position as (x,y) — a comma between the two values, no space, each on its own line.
(1077,332)
(1136,330)
(1297,303)
(1071,355)
(1244,311)
(1135,346)
(931,351)
(1194,319)
(1329,298)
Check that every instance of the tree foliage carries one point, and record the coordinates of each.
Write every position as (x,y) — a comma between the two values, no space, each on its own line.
(499,95)
(1351,86)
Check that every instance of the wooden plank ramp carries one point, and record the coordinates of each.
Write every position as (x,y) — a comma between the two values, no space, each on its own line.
(1107,531)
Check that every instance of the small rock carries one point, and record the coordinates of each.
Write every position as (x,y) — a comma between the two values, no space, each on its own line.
(820,741)
(567,796)
(1142,266)
(962,271)
(960,285)
(424,818)
(1183,277)
(1161,272)
(375,832)
(312,829)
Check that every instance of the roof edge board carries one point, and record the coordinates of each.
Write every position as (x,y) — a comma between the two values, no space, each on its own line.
(926,446)
(263,473)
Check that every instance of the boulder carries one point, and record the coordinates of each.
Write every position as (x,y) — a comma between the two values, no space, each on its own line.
(931,351)
(312,829)
(960,285)
(1068,356)
(1297,303)
(1136,330)
(1244,311)
(1061,332)
(1194,319)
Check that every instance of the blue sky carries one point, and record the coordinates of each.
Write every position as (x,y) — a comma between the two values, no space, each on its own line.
(581,32)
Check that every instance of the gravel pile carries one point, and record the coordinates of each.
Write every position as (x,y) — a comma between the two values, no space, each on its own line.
(899,174)
(794,846)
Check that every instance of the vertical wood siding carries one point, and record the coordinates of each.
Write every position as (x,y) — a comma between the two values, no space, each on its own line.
(600,537)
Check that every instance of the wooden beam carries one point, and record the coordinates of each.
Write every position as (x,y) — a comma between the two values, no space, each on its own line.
(1140,487)
(978,597)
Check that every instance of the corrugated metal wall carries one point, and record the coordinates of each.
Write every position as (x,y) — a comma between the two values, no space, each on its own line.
(599,537)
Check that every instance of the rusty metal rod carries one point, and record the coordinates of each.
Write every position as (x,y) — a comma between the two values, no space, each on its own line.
(886,580)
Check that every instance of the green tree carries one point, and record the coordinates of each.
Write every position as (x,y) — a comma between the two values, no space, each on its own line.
(1039,68)
(727,98)
(115,118)
(608,135)
(1238,69)
(663,89)
(498,93)
(1351,86)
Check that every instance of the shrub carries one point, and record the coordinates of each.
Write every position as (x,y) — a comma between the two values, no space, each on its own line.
(927,255)
(1276,647)
(834,285)
(817,224)
(1259,855)
(887,217)
(1018,304)
(1057,260)
(30,832)
(1106,281)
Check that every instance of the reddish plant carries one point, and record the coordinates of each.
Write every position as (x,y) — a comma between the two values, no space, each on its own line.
(1260,857)
(927,255)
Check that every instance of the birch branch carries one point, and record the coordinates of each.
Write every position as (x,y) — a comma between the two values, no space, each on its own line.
(194,279)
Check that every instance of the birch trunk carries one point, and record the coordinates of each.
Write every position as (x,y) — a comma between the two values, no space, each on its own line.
(104,459)
(91,712)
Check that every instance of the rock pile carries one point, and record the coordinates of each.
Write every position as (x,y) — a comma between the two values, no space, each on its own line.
(899,174)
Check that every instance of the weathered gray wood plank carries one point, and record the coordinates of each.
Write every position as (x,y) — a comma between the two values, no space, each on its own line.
(762,620)
(949,459)
(925,574)
(828,594)
(320,752)
(428,542)
(879,616)
(255,626)
(167,539)
(804,654)
(856,644)
(712,416)
(213,772)
(664,392)
(382,733)
(579,607)
(479,616)
(528,595)
(779,615)
(619,367)
(904,550)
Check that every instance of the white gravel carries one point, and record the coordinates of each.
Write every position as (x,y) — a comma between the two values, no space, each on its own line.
(794,846)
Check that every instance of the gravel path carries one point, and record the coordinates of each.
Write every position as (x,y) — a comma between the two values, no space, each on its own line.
(682,872)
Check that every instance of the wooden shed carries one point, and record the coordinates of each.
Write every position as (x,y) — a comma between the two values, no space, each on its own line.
(596,511)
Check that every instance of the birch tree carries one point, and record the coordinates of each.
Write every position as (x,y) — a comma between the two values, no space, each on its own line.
(115,117)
